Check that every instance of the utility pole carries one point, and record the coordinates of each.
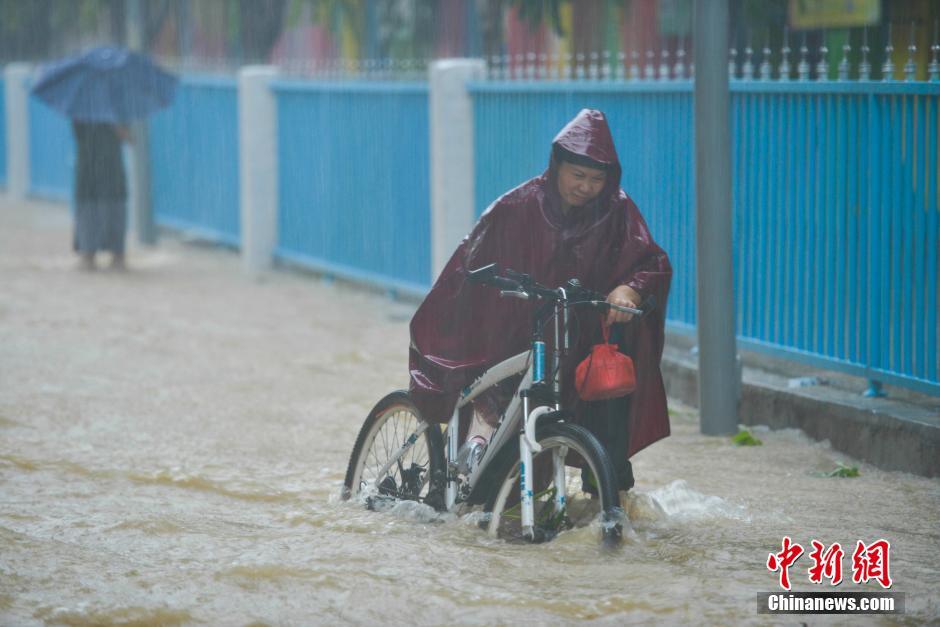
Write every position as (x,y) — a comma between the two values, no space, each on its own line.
(140,148)
(717,371)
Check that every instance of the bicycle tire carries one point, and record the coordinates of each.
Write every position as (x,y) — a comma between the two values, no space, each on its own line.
(421,473)
(581,509)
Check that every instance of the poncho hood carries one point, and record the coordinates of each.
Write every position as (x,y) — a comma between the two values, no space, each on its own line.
(588,135)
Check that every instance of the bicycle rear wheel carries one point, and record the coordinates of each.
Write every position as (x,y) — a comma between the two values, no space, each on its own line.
(558,506)
(392,461)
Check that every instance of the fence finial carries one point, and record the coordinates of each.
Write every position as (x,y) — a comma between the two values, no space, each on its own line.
(844,63)
(732,64)
(543,66)
(605,65)
(887,68)
(593,69)
(554,68)
(785,56)
(910,68)
(649,71)
(864,67)
(933,70)
(678,70)
(567,66)
(765,68)
(634,65)
(802,68)
(579,66)
(664,69)
(530,66)
(822,67)
(621,60)
(747,70)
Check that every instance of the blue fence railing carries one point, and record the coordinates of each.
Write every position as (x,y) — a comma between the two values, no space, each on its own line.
(194,159)
(835,205)
(353,180)
(3,132)
(51,152)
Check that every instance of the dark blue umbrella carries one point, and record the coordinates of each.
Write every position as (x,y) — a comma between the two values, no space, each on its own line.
(105,84)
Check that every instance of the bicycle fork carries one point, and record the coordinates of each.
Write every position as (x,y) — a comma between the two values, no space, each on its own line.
(528,444)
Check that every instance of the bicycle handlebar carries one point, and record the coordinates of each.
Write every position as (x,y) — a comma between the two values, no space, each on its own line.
(519,285)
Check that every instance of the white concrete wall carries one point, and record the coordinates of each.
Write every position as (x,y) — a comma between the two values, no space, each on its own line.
(452,170)
(15,77)
(257,166)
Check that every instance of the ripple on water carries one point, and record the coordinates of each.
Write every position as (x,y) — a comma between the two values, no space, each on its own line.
(94,616)
(159,526)
(195,482)
(252,576)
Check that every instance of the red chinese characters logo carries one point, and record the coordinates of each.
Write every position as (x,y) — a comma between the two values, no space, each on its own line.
(869,562)
(783,560)
(826,563)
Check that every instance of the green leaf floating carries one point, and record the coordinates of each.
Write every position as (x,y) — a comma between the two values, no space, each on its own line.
(744,438)
(843,471)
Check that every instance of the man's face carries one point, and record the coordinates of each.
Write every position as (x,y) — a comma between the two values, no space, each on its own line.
(578,184)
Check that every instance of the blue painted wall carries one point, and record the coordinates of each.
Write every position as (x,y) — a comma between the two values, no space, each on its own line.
(51,152)
(194,159)
(353,178)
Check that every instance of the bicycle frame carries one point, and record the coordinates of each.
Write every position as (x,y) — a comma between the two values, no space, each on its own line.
(532,363)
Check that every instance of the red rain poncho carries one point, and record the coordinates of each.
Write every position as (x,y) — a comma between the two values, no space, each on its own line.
(463,328)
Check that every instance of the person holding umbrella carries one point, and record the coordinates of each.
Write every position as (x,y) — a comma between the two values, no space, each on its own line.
(100,192)
(102,90)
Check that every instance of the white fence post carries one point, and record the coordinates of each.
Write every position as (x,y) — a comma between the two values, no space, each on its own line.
(257,166)
(15,78)
(452,171)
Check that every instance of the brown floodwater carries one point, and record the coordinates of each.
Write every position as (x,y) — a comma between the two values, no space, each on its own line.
(173,441)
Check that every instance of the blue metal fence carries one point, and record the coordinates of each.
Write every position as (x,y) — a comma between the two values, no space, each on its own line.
(353,180)
(194,159)
(51,152)
(3,132)
(835,205)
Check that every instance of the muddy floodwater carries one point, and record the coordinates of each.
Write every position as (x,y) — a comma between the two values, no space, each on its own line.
(173,440)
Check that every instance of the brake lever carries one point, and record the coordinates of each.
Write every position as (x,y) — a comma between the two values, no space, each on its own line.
(629,310)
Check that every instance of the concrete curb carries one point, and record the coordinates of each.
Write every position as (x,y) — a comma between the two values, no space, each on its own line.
(890,434)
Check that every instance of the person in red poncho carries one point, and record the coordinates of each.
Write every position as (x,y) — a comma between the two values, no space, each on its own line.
(573,221)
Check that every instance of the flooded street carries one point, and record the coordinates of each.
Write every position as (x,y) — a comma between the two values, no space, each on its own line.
(173,440)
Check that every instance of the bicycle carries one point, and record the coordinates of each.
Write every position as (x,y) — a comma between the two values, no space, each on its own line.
(522,483)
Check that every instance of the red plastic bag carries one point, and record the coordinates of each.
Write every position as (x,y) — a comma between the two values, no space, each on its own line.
(605,373)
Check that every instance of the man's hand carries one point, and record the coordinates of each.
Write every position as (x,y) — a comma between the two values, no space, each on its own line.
(625,297)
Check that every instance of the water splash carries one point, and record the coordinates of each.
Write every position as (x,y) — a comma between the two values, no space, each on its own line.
(678,502)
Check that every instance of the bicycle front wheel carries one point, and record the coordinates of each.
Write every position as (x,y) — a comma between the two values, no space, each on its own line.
(396,457)
(563,497)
